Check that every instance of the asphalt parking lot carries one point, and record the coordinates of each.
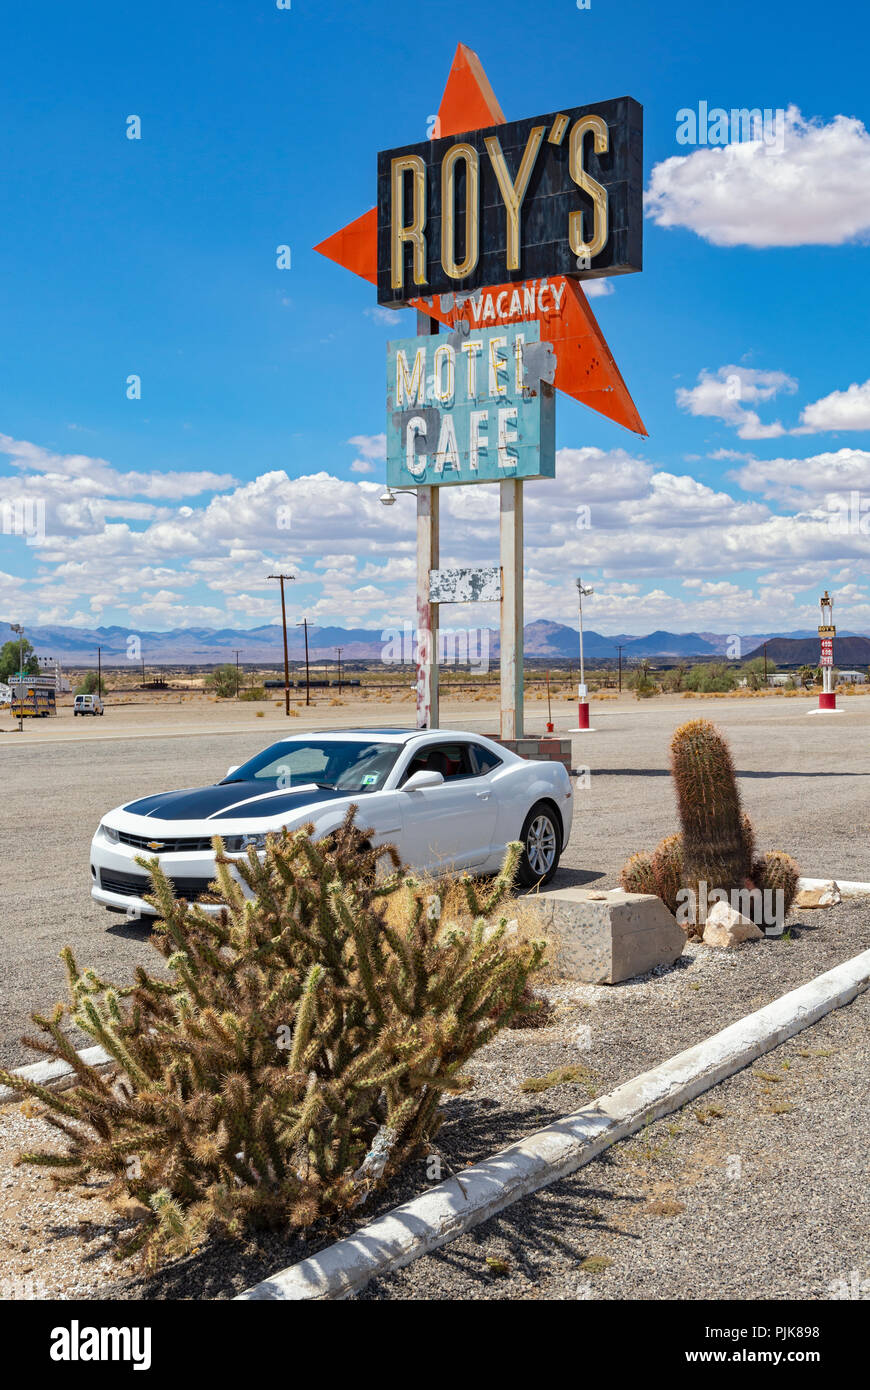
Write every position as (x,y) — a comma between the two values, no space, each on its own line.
(804,782)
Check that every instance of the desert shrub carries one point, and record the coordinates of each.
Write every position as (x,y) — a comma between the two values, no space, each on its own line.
(223,680)
(711,677)
(256,692)
(297,1054)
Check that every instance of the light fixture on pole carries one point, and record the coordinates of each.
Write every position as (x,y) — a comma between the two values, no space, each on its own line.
(389,495)
(583,591)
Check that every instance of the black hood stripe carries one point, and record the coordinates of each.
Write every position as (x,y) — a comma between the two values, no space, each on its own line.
(230,801)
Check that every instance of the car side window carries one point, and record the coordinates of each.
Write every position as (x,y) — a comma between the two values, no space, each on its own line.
(450,759)
(483,759)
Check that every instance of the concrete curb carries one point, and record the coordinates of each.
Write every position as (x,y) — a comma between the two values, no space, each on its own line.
(58,1075)
(443,1213)
(849,888)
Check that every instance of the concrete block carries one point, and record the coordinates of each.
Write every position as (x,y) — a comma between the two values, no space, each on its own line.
(604,937)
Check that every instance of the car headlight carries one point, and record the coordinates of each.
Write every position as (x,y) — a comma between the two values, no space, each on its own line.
(111,835)
(235,844)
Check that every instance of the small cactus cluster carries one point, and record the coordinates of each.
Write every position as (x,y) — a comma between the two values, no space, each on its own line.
(715,851)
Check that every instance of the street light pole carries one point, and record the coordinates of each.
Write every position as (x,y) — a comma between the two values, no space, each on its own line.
(583,591)
(619,649)
(237,675)
(100,672)
(338,649)
(282,577)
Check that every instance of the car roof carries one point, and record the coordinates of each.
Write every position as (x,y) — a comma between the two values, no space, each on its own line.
(399,736)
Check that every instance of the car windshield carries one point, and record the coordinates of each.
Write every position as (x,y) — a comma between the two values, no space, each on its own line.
(349,765)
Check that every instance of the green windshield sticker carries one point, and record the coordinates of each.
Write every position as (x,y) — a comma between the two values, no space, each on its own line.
(370,779)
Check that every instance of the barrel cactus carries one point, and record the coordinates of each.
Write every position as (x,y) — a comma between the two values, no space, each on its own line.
(668,869)
(775,872)
(714,839)
(637,875)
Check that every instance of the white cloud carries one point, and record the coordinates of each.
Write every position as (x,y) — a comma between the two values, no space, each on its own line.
(633,527)
(809,481)
(841,410)
(727,393)
(814,191)
(598,288)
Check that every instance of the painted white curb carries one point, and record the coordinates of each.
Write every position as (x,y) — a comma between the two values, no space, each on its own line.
(58,1075)
(848,887)
(443,1213)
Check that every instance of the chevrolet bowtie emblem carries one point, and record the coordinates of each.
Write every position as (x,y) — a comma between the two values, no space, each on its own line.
(156,844)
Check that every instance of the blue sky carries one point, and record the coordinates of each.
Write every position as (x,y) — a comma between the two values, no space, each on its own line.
(256,439)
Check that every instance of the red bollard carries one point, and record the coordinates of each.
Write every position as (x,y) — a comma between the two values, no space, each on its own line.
(583,715)
(827,699)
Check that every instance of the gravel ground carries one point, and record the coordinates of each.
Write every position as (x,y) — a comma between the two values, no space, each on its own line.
(60,780)
(757,1190)
(611,1032)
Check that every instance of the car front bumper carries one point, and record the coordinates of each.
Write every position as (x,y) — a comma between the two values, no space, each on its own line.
(120,884)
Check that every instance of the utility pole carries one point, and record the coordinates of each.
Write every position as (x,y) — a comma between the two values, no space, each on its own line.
(237,675)
(765,663)
(282,577)
(338,649)
(99,672)
(16,627)
(304,624)
(619,648)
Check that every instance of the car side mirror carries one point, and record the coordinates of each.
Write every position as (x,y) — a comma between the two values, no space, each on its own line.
(234,768)
(422,779)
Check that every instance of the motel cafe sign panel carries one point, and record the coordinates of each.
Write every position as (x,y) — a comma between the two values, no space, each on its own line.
(546,196)
(470,409)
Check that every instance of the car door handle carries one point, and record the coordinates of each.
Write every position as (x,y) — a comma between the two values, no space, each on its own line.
(482,796)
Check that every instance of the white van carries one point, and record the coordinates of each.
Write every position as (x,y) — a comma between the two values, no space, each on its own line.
(88,704)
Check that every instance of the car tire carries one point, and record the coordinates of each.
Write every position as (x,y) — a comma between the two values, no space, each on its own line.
(541,839)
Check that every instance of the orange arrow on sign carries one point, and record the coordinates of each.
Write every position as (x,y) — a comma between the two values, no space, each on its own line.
(585,366)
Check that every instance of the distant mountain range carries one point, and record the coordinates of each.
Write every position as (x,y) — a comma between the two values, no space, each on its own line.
(193,646)
(850,652)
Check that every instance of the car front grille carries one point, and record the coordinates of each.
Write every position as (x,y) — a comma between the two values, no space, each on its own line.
(145,842)
(137,885)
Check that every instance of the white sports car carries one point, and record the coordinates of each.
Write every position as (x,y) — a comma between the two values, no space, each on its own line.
(448,802)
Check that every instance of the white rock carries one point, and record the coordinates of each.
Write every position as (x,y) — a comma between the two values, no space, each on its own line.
(727,927)
(826,896)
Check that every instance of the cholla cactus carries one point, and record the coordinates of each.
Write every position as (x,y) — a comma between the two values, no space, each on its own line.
(299,1050)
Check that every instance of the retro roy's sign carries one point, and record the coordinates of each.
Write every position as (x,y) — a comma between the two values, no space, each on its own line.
(551,195)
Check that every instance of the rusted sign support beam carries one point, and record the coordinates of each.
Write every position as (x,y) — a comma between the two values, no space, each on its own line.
(511,660)
(428,538)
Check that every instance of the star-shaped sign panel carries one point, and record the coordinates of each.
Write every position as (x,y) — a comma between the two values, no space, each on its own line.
(584,365)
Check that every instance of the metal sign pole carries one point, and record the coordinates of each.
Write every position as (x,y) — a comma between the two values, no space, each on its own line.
(428,517)
(511,659)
